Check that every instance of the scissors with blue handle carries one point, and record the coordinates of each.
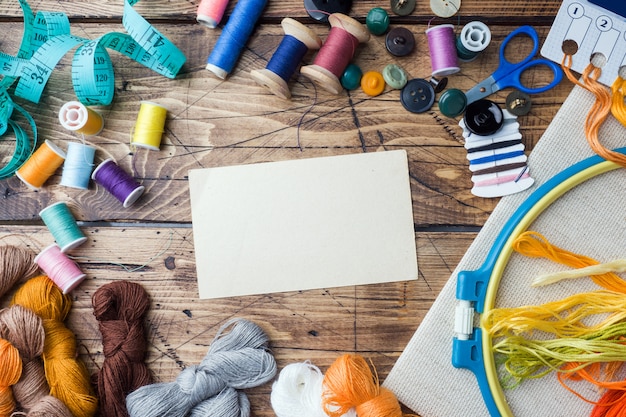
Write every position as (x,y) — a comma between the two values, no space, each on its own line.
(508,74)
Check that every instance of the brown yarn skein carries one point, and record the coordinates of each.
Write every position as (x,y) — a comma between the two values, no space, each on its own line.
(16,264)
(120,307)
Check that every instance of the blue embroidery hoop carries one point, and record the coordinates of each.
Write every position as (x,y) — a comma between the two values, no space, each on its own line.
(476,290)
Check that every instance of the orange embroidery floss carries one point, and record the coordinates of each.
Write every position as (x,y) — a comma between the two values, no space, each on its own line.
(349,383)
(599,111)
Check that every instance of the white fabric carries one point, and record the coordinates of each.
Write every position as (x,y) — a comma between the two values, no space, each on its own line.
(590,220)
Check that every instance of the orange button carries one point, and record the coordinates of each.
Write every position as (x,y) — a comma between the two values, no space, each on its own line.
(373,83)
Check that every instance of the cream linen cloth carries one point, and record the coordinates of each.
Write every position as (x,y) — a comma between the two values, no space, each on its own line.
(590,220)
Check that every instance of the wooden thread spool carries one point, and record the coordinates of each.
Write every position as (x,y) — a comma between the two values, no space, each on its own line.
(41,165)
(76,117)
(329,64)
(287,57)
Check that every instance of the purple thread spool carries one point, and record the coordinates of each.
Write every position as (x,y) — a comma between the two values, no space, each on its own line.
(442,45)
(117,182)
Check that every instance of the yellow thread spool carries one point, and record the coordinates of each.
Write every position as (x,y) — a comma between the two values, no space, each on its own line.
(77,117)
(41,165)
(150,126)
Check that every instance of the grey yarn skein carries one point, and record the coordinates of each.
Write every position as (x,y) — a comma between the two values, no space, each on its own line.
(236,359)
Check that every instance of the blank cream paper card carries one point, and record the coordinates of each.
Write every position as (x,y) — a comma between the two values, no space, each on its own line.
(303,224)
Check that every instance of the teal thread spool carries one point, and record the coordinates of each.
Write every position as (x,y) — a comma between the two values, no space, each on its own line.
(62,225)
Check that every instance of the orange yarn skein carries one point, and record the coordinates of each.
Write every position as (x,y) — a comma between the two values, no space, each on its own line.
(10,372)
(349,383)
(68,377)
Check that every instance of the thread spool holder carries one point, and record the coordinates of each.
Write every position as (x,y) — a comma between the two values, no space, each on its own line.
(320,75)
(273,81)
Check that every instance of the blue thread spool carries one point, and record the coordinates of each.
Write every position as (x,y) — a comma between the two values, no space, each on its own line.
(297,42)
(62,225)
(78,165)
(234,36)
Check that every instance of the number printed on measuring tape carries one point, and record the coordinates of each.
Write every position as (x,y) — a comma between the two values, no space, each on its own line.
(47,38)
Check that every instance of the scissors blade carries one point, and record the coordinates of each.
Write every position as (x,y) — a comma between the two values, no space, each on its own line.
(481,90)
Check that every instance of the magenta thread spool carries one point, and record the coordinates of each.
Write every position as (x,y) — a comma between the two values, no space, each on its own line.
(118,182)
(442,46)
(62,225)
(334,56)
(63,271)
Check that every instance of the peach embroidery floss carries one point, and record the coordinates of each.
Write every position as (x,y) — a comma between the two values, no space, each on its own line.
(67,376)
(349,383)
(120,307)
(599,111)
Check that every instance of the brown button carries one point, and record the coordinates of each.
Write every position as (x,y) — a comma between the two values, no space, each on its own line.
(400,41)
(402,7)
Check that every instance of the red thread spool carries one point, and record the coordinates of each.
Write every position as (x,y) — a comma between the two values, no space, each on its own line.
(335,55)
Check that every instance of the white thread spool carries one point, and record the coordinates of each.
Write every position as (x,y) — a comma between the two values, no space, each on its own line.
(474,38)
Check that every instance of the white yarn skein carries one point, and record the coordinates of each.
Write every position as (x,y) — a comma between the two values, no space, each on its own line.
(298,392)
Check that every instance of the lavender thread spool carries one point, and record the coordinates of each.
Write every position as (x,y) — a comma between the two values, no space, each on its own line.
(442,46)
(118,182)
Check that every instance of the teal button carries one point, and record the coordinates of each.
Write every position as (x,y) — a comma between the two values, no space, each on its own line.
(377,21)
(394,76)
(452,102)
(351,77)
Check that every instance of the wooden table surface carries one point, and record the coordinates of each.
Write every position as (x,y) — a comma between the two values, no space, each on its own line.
(213,122)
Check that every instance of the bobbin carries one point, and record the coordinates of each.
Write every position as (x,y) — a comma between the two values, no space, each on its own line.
(36,183)
(131,198)
(273,81)
(320,75)
(449,66)
(150,138)
(76,117)
(64,241)
(474,38)
(66,283)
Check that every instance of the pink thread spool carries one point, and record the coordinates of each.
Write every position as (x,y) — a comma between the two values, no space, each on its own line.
(442,46)
(117,182)
(335,55)
(62,270)
(210,12)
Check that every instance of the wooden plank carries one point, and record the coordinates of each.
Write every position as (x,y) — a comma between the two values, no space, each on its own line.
(212,122)
(318,325)
(533,11)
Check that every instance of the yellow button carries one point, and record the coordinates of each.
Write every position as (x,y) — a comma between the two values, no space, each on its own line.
(373,83)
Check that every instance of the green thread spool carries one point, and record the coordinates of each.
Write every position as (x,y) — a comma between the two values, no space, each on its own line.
(62,224)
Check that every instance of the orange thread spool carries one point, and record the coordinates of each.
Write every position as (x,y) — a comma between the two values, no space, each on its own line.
(41,165)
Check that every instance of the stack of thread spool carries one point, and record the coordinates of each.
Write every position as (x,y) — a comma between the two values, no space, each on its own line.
(298,40)
(497,158)
(333,57)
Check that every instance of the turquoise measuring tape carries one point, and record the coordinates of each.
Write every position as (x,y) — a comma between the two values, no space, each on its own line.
(47,38)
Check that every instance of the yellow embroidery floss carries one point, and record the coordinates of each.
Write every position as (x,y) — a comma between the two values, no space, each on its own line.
(149,126)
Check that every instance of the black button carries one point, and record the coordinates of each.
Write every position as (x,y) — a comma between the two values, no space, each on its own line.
(400,41)
(402,7)
(483,117)
(417,96)
(321,9)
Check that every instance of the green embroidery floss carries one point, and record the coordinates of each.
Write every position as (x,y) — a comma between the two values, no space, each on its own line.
(62,224)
